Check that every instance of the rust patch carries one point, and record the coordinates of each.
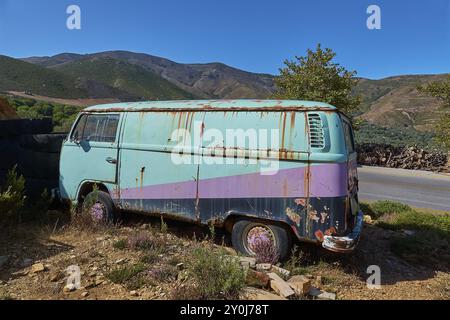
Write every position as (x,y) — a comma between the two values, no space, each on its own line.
(319,235)
(312,215)
(293,216)
(331,231)
(200,108)
(323,217)
(142,177)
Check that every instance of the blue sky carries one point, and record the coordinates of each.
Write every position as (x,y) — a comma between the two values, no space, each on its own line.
(248,34)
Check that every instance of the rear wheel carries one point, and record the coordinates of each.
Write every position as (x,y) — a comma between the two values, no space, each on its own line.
(100,206)
(245,232)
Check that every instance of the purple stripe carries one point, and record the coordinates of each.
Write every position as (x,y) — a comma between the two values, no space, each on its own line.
(328,180)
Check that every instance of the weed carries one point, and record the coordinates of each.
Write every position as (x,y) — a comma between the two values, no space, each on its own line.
(164,273)
(12,196)
(380,208)
(189,292)
(216,274)
(140,241)
(124,274)
(150,258)
(164,227)
(121,244)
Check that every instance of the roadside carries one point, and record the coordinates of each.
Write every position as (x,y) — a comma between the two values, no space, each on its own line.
(421,189)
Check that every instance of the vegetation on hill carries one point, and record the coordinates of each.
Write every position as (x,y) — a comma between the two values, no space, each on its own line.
(63,116)
(441,91)
(17,75)
(316,77)
(397,137)
(125,76)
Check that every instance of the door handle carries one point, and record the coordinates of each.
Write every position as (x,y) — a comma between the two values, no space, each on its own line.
(111,160)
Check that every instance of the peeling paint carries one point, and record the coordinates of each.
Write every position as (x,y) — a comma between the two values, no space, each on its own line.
(294,216)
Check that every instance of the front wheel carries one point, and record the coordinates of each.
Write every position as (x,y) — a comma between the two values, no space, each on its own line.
(245,232)
(99,206)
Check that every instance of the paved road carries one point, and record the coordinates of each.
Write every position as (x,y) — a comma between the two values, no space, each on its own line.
(416,188)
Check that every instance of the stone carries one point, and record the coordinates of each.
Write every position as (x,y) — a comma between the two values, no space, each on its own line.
(263,267)
(250,293)
(280,286)
(85,294)
(283,272)
(248,262)
(70,288)
(38,267)
(300,284)
(121,261)
(257,279)
(230,251)
(180,266)
(409,232)
(56,276)
(321,295)
(134,293)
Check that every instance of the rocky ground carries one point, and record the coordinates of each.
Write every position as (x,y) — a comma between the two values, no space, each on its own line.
(34,263)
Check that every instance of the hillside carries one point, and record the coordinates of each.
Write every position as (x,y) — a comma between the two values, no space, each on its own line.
(396,102)
(123,76)
(212,80)
(17,75)
(21,76)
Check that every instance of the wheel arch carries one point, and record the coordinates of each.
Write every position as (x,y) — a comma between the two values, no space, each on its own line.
(87,187)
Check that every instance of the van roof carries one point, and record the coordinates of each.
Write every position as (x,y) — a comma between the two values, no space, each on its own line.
(213,105)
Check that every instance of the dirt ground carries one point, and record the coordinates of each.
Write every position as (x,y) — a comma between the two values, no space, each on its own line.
(96,255)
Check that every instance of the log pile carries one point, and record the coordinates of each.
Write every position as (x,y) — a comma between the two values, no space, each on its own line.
(412,158)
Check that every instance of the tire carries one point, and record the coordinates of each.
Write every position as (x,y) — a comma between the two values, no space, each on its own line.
(281,236)
(107,207)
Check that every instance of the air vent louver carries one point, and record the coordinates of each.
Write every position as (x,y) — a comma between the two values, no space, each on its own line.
(316,131)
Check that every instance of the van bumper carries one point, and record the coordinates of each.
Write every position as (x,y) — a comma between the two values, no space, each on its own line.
(348,243)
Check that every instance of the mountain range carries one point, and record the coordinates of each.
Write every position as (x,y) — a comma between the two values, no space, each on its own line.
(128,76)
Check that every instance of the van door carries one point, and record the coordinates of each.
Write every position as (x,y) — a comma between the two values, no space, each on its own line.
(90,153)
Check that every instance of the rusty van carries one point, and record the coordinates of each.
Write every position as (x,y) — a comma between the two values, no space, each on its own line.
(277,169)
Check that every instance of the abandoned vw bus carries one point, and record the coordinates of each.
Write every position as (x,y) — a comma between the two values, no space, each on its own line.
(266,169)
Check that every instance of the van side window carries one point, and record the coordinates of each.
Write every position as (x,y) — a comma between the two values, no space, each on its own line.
(77,132)
(101,128)
(349,139)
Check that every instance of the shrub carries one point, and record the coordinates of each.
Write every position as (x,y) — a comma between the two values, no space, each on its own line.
(150,258)
(123,274)
(164,273)
(164,227)
(120,244)
(264,249)
(140,241)
(12,195)
(215,274)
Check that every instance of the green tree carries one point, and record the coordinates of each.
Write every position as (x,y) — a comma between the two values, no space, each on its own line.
(316,77)
(441,91)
